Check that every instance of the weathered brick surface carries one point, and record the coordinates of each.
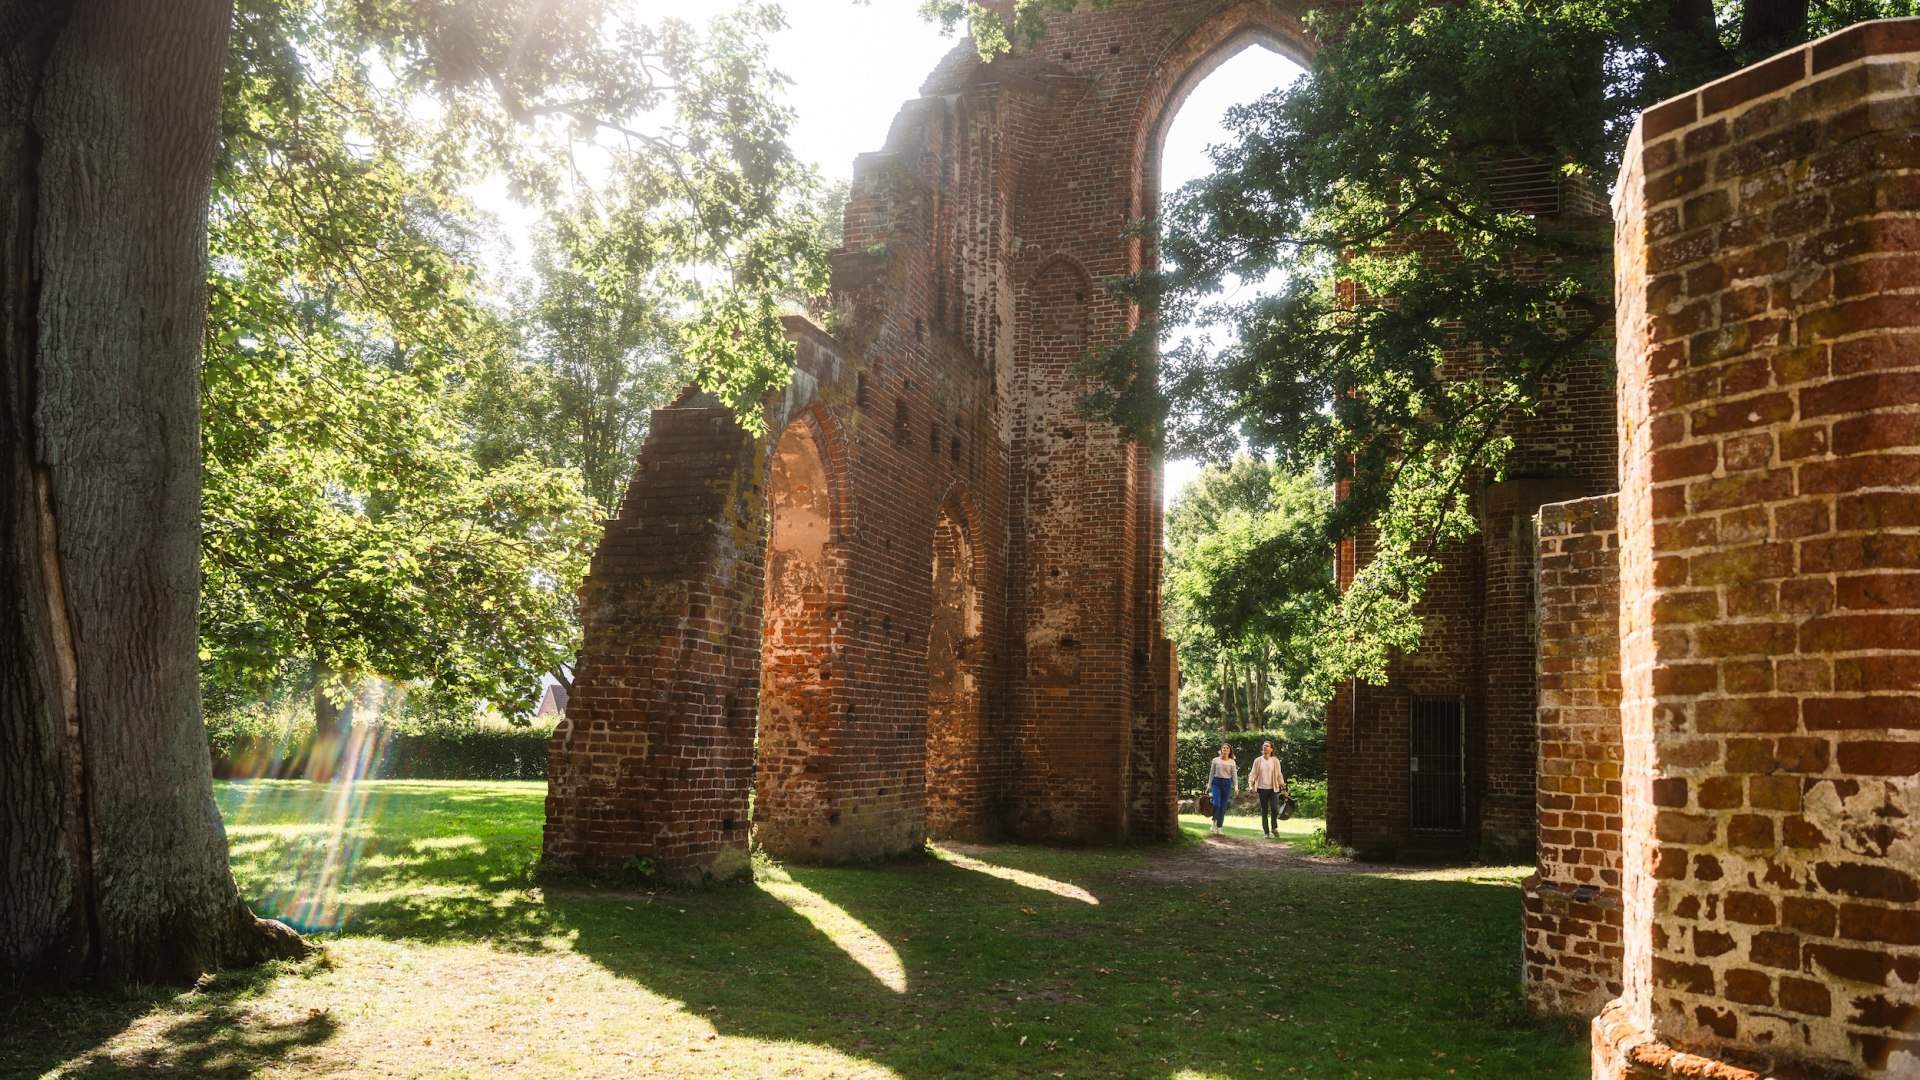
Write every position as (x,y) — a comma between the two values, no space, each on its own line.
(659,732)
(1573,918)
(961,633)
(1769,237)
(1477,645)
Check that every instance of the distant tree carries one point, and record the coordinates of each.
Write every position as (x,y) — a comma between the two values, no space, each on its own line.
(578,393)
(1247,592)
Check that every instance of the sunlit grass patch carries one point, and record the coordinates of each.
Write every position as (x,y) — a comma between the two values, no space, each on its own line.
(451,960)
(1023,878)
(1247,826)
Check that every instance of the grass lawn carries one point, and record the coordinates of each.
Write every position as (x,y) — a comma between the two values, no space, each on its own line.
(443,957)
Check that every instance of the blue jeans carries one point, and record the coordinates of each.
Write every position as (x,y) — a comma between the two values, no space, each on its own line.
(1222,793)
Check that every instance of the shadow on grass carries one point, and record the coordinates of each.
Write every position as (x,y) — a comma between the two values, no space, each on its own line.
(205,1033)
(1013,960)
(1327,975)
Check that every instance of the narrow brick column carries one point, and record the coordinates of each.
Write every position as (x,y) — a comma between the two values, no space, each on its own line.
(1572,904)
(651,767)
(1769,330)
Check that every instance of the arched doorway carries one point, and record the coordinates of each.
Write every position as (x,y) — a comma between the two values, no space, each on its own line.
(954,772)
(793,801)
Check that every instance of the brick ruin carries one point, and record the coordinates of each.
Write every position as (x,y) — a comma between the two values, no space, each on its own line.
(978,599)
(1683,646)
(1729,867)
(928,600)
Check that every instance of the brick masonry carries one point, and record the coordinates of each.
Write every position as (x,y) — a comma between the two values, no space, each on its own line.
(1573,928)
(931,591)
(977,606)
(1769,524)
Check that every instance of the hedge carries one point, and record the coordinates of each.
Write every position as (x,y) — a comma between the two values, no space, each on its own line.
(521,754)
(1195,750)
(480,754)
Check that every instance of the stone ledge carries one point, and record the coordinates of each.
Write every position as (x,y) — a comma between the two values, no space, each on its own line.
(1623,1050)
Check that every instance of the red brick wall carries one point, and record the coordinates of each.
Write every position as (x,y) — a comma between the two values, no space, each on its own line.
(1769,253)
(971,283)
(654,755)
(1573,924)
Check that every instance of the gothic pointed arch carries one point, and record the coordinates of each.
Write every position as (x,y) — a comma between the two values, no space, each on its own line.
(1213,40)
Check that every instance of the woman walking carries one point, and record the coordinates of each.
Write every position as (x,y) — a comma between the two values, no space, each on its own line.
(1226,777)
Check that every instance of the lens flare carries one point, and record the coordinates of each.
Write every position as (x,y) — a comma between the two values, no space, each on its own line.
(320,855)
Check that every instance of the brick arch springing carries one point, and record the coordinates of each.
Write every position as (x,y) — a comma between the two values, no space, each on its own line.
(796,737)
(830,436)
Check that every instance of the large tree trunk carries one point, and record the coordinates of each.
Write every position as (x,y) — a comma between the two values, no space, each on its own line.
(1767,26)
(113,862)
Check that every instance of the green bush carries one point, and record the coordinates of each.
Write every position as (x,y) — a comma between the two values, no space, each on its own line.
(1300,760)
(1310,794)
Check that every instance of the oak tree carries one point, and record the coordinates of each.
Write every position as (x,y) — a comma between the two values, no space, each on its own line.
(113,862)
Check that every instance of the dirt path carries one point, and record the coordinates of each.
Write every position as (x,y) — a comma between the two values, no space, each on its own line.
(1219,857)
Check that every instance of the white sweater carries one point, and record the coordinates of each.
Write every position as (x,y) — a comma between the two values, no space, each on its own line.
(1264,773)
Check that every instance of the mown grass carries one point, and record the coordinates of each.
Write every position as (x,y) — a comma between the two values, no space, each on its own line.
(444,957)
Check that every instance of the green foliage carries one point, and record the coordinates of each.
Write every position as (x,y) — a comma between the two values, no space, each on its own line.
(595,362)
(1248,589)
(476,753)
(1194,751)
(403,475)
(1416,317)
(1310,794)
(1319,843)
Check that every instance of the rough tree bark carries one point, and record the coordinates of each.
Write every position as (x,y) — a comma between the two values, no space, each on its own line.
(113,861)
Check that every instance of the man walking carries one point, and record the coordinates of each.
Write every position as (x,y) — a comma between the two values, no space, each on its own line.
(1270,783)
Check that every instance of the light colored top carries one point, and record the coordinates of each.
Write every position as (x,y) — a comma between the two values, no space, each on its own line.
(1265,773)
(1225,767)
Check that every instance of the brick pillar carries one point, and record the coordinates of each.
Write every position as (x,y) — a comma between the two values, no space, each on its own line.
(653,760)
(1572,903)
(1769,329)
(1508,635)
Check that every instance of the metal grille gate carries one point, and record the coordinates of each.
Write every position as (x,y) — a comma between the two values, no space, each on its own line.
(1437,763)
